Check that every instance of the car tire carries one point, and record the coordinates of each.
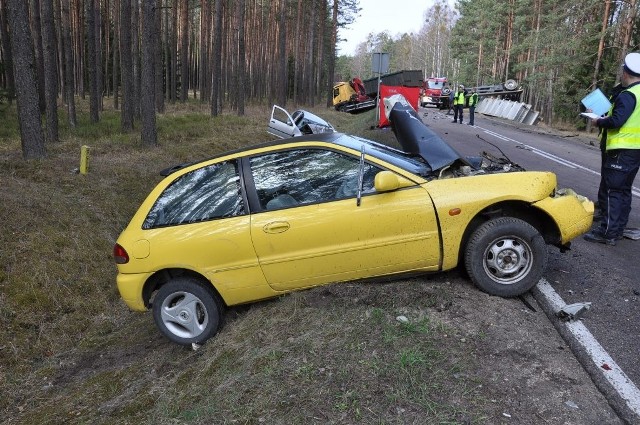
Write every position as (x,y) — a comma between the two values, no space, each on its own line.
(186,311)
(510,85)
(506,257)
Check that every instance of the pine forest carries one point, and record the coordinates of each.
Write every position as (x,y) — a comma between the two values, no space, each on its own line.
(137,55)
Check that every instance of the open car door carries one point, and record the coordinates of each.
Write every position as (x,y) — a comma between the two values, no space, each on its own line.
(281,124)
(299,123)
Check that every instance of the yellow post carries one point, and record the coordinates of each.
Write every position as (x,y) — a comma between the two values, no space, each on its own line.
(84,159)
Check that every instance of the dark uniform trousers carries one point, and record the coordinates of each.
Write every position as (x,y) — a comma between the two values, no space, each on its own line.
(619,171)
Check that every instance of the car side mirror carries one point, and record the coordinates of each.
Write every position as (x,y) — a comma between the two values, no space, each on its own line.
(386,181)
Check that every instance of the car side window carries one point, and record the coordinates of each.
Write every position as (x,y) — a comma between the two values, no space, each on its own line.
(306,176)
(207,193)
(281,115)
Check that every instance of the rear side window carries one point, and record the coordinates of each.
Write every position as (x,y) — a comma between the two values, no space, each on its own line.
(208,193)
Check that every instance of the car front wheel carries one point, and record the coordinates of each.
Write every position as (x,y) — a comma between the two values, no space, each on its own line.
(506,256)
(186,312)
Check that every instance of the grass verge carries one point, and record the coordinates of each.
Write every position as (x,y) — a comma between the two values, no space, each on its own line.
(70,352)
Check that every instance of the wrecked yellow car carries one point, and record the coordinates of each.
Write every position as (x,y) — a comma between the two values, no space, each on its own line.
(312,210)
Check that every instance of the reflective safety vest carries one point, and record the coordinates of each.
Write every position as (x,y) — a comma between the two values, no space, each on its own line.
(473,99)
(627,136)
(458,99)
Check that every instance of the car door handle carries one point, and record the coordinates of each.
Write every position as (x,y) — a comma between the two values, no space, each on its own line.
(276,227)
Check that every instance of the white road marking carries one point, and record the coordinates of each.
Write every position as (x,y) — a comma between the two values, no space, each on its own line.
(634,190)
(628,391)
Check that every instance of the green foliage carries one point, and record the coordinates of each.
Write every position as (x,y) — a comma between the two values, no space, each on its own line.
(551,48)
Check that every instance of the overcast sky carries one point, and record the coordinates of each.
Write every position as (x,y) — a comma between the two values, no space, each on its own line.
(394,16)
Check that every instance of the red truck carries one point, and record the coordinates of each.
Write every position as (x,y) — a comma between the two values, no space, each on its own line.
(435,91)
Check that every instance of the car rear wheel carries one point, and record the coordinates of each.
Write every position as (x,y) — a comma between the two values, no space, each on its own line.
(186,312)
(506,256)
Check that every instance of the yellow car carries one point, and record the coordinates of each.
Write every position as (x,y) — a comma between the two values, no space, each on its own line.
(297,213)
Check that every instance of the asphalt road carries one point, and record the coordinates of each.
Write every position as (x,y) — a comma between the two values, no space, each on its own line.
(608,277)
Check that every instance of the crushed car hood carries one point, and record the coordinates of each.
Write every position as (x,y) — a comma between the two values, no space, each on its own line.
(418,139)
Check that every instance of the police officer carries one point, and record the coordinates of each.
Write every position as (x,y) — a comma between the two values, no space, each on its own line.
(601,203)
(622,154)
(451,95)
(458,103)
(473,101)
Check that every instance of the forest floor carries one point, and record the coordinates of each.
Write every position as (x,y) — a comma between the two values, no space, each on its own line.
(425,350)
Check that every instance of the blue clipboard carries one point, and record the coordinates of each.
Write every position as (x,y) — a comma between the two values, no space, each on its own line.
(597,102)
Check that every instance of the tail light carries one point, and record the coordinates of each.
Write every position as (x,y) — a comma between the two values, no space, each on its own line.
(120,254)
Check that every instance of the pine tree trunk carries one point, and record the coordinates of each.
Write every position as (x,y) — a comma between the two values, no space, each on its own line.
(69,82)
(312,43)
(184,50)
(241,58)
(94,106)
(25,80)
(57,5)
(135,56)
(126,120)
(332,52)
(628,28)
(115,75)
(6,51)
(174,53)
(205,19)
(36,32)
(158,58)
(296,54)
(77,23)
(282,49)
(98,48)
(149,132)
(168,61)
(216,69)
(107,53)
(50,70)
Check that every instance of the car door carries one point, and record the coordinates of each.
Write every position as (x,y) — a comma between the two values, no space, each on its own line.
(311,229)
(281,124)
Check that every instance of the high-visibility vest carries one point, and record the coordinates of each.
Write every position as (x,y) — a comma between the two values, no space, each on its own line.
(627,136)
(458,99)
(473,99)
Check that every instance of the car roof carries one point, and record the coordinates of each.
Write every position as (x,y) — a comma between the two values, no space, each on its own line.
(340,139)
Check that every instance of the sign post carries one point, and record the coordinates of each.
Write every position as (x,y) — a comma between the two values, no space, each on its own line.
(379,65)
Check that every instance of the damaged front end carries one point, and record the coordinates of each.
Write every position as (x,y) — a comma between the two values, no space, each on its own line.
(418,139)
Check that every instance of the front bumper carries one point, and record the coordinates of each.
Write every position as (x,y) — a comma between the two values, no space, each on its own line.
(572,213)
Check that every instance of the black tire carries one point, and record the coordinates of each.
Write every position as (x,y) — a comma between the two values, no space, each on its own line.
(446,91)
(186,312)
(506,257)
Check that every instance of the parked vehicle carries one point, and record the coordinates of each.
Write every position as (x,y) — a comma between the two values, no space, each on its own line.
(435,92)
(292,214)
